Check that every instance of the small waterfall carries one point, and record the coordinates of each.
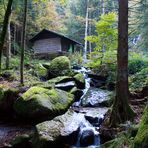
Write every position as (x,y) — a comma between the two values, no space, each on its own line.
(86,128)
(87,131)
(84,71)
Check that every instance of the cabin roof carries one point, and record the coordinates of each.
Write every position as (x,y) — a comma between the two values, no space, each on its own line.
(47,33)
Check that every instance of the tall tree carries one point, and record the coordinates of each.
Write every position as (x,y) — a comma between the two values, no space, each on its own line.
(8,50)
(86,30)
(23,43)
(121,110)
(4,29)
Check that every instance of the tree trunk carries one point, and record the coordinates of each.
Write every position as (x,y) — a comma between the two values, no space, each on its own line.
(103,7)
(8,50)
(4,29)
(89,30)
(23,44)
(121,111)
(86,31)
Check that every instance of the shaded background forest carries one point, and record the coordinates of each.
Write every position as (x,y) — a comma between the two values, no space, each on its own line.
(69,18)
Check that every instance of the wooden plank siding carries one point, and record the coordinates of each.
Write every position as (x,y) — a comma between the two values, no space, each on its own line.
(47,45)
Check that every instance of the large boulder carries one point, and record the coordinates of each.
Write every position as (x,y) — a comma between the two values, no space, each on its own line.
(7,98)
(40,103)
(96,97)
(59,131)
(59,66)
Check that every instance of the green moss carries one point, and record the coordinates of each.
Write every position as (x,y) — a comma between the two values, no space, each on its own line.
(79,77)
(60,66)
(61,62)
(38,101)
(40,69)
(52,82)
(141,139)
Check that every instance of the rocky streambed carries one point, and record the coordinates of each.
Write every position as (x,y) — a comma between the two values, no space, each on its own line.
(76,125)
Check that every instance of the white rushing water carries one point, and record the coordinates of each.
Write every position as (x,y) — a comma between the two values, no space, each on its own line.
(86,125)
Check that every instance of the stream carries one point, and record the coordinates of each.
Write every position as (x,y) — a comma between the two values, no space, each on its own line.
(89,116)
(89,129)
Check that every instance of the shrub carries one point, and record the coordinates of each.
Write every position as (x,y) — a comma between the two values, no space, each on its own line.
(136,65)
(139,80)
(75,58)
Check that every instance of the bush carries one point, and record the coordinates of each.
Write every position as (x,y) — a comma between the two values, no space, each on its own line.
(139,80)
(136,65)
(75,58)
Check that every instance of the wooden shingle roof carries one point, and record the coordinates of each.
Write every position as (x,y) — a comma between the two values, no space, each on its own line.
(44,34)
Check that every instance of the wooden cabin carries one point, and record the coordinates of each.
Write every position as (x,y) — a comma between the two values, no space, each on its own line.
(46,42)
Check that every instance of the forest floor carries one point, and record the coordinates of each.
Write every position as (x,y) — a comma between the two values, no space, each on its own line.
(138,101)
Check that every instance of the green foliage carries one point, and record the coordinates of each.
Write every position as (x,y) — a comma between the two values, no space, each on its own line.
(136,65)
(139,80)
(121,140)
(106,38)
(105,42)
(75,58)
(137,62)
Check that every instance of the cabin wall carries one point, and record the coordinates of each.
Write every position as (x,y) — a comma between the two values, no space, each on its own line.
(49,45)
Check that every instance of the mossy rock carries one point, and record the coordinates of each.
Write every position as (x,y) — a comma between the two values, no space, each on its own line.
(40,70)
(77,93)
(80,80)
(141,139)
(46,65)
(7,98)
(60,79)
(40,103)
(59,66)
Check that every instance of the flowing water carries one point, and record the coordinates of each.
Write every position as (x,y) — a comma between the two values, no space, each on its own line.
(97,113)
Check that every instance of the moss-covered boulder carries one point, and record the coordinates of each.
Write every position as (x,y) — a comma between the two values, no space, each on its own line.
(80,81)
(40,70)
(141,139)
(40,103)
(7,98)
(59,66)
